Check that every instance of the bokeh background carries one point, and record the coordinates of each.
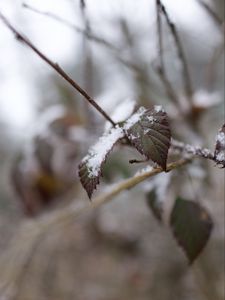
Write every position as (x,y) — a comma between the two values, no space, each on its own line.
(118,251)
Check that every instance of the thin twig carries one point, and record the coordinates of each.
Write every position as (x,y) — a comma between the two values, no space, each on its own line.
(211,13)
(186,76)
(211,66)
(82,4)
(91,36)
(193,150)
(161,70)
(72,26)
(88,63)
(57,68)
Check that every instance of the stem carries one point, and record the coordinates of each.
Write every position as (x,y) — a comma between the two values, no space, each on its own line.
(70,213)
(91,36)
(181,54)
(35,230)
(57,68)
(211,13)
(161,70)
(193,150)
(72,26)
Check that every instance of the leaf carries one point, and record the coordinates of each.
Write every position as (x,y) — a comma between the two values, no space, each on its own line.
(90,169)
(150,134)
(154,204)
(219,153)
(191,225)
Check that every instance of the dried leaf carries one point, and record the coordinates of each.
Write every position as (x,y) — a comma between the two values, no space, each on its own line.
(191,225)
(90,169)
(151,135)
(219,153)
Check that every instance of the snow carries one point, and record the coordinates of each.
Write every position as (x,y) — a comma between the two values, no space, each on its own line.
(161,183)
(220,138)
(144,170)
(158,108)
(151,119)
(134,118)
(99,151)
(221,156)
(123,111)
(205,99)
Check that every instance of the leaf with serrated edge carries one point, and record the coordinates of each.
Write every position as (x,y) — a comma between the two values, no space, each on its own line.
(151,135)
(219,153)
(191,225)
(90,168)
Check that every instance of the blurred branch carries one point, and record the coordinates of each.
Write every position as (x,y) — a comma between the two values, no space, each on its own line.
(211,66)
(31,233)
(186,76)
(91,36)
(82,4)
(211,13)
(72,26)
(57,68)
(87,64)
(161,69)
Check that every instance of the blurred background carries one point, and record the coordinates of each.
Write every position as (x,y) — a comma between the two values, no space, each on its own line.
(119,251)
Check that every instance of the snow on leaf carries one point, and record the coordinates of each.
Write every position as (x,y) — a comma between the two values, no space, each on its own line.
(219,153)
(90,168)
(191,225)
(122,112)
(149,132)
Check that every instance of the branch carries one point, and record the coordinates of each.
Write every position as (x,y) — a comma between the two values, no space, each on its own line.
(193,150)
(57,68)
(161,69)
(181,54)
(79,30)
(211,13)
(91,36)
(32,232)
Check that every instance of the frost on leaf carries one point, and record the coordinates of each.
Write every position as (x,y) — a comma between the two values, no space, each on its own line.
(191,225)
(90,168)
(150,134)
(219,153)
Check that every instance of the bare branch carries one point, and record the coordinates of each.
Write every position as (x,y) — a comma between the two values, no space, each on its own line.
(186,76)
(56,67)
(210,73)
(91,36)
(82,4)
(72,26)
(161,69)
(211,13)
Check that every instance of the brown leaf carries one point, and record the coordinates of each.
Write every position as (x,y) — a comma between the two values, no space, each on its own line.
(191,225)
(151,135)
